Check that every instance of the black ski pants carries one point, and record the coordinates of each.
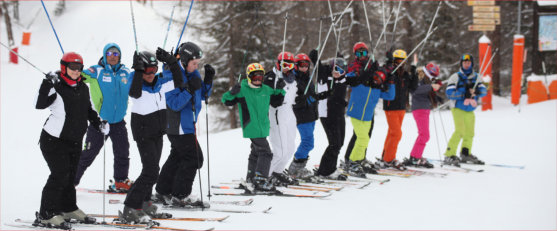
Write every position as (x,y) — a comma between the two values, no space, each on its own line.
(62,157)
(259,160)
(150,150)
(335,130)
(353,140)
(179,170)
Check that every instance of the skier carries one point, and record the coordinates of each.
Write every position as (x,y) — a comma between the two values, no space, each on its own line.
(464,89)
(109,85)
(396,108)
(305,111)
(67,97)
(331,85)
(283,121)
(148,123)
(184,103)
(424,98)
(367,85)
(254,98)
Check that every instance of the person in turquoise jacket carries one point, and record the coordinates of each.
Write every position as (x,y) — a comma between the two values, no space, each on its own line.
(109,84)
(464,89)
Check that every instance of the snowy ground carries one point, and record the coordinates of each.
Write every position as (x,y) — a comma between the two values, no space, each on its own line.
(499,198)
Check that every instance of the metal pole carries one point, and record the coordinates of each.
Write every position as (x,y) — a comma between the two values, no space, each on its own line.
(168,29)
(15,53)
(414,50)
(134,31)
(519,16)
(56,34)
(184,27)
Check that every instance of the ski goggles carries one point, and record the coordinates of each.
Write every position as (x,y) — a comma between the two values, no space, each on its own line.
(361,53)
(115,54)
(287,65)
(75,66)
(151,70)
(466,58)
(303,64)
(256,77)
(339,70)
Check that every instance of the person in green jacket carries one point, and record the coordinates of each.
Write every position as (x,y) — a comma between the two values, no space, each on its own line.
(254,99)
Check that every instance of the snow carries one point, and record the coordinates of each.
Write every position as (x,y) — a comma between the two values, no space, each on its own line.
(484,39)
(499,198)
(547,3)
(548,78)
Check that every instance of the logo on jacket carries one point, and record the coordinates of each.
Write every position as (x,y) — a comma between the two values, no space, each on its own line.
(125,80)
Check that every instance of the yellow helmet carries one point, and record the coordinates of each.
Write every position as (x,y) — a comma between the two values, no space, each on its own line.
(399,54)
(254,67)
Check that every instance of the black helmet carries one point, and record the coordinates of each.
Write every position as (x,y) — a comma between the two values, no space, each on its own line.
(189,51)
(148,58)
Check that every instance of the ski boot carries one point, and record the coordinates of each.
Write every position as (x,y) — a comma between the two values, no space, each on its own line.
(165,199)
(151,210)
(417,162)
(452,160)
(368,166)
(297,169)
(56,221)
(134,216)
(189,201)
(282,179)
(390,164)
(467,158)
(262,184)
(78,216)
(355,169)
(338,174)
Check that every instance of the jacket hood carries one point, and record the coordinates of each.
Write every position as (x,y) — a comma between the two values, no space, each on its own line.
(104,63)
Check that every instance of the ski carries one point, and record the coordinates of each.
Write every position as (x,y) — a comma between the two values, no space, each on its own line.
(419,172)
(30,226)
(154,225)
(397,173)
(196,208)
(461,167)
(98,191)
(238,202)
(219,219)
(279,194)
(309,188)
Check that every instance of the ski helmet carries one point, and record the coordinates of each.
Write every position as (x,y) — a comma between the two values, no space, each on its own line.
(189,51)
(467,57)
(431,70)
(301,59)
(379,77)
(399,54)
(150,61)
(252,69)
(360,45)
(286,57)
(70,57)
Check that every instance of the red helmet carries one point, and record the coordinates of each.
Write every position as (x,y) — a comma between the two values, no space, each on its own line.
(431,70)
(301,57)
(284,56)
(359,45)
(70,57)
(379,77)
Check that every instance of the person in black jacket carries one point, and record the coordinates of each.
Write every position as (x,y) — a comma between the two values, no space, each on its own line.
(148,123)
(61,140)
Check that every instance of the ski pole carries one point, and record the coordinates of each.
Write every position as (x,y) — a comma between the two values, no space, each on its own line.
(208,156)
(431,25)
(332,18)
(396,20)
(437,139)
(336,51)
(104,176)
(52,26)
(368,30)
(482,74)
(384,23)
(134,32)
(283,41)
(483,60)
(414,50)
(24,59)
(168,29)
(382,33)
(184,27)
(325,42)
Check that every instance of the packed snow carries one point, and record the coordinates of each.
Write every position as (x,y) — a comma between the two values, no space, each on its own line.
(498,198)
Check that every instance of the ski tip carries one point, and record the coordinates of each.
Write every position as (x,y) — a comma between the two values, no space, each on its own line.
(268,209)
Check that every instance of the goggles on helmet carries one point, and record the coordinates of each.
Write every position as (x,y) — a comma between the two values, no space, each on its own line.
(75,66)
(256,77)
(287,65)
(151,70)
(361,53)
(466,58)
(339,70)
(303,64)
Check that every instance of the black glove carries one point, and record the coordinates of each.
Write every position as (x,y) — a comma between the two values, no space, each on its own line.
(413,70)
(301,100)
(374,65)
(165,57)
(281,84)
(138,65)
(192,85)
(236,89)
(52,77)
(209,74)
(477,91)
(389,55)
(366,77)
(313,56)
(270,79)
(467,94)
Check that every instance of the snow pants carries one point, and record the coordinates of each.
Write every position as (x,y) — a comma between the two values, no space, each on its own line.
(259,160)
(464,122)
(150,149)
(353,140)
(120,146)
(361,129)
(394,119)
(62,157)
(282,136)
(422,121)
(334,129)
(179,170)
(307,140)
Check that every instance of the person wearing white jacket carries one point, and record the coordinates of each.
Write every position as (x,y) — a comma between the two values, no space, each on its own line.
(283,121)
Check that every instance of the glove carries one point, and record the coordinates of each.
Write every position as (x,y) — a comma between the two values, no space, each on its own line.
(192,85)
(104,127)
(52,77)
(389,55)
(270,79)
(313,56)
(209,74)
(467,94)
(301,100)
(281,84)
(164,56)
(367,77)
(236,89)
(477,91)
(137,65)
(374,65)
(413,70)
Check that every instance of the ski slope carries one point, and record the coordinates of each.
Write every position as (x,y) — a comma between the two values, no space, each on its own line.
(498,198)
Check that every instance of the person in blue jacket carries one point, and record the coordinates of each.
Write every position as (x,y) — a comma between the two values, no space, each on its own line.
(109,84)
(176,178)
(464,89)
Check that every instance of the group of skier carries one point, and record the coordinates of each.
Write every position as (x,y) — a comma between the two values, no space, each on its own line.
(272,104)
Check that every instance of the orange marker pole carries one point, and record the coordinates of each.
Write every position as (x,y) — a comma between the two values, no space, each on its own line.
(485,69)
(518,55)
